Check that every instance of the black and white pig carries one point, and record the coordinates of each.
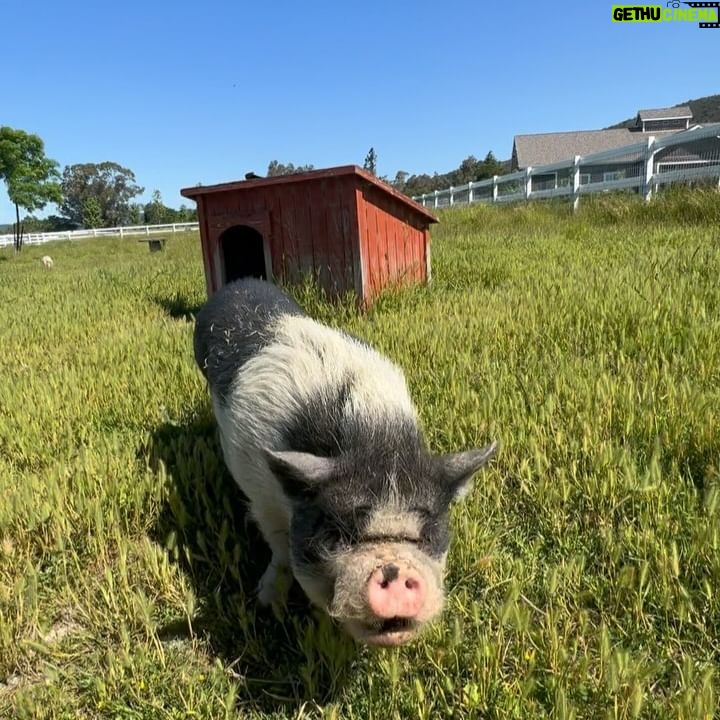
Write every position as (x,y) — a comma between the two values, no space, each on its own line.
(319,431)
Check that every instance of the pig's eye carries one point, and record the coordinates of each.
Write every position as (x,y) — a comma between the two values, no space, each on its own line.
(434,536)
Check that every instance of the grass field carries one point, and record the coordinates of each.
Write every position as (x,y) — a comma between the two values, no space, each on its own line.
(584,576)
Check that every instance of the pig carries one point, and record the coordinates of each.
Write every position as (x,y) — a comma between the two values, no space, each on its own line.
(320,433)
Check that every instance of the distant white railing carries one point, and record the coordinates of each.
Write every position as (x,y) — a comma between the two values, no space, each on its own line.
(685,156)
(40,238)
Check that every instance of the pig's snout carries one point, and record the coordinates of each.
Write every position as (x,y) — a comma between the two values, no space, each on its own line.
(395,592)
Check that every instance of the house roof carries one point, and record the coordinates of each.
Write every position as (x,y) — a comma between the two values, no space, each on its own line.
(547,148)
(238,186)
(673,113)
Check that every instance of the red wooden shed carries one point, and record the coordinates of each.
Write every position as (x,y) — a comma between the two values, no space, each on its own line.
(341,224)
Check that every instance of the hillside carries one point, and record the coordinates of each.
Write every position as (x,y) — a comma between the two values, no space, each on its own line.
(705,110)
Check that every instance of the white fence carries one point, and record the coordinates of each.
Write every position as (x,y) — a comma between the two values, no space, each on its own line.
(40,238)
(687,156)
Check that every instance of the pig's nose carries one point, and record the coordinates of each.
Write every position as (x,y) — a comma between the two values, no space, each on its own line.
(395,592)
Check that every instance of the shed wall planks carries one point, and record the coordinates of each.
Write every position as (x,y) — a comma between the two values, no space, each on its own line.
(342,225)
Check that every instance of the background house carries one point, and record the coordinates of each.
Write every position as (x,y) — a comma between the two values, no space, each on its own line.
(663,119)
(547,148)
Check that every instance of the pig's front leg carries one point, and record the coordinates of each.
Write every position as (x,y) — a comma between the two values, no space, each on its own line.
(276,580)
(275,583)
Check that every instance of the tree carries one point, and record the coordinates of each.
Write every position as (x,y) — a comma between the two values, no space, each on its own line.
(490,166)
(91,213)
(400,180)
(112,185)
(468,170)
(136,214)
(155,212)
(370,163)
(186,214)
(275,169)
(52,223)
(30,177)
(420,184)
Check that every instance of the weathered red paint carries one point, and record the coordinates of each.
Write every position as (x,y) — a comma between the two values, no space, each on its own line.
(349,229)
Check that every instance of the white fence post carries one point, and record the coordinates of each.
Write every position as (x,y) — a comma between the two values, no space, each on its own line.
(494,189)
(470,193)
(452,195)
(437,192)
(576,182)
(649,169)
(528,182)
(121,232)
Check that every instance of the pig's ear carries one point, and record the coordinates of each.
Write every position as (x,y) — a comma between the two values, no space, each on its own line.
(299,473)
(458,468)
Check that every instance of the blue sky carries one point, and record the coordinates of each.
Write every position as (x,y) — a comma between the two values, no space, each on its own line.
(184,92)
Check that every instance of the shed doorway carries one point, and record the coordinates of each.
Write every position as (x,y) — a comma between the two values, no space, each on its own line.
(243,254)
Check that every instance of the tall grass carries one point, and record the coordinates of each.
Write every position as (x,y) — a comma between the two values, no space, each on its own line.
(584,572)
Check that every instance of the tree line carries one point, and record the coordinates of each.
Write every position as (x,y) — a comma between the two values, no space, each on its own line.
(88,195)
(96,195)
(470,170)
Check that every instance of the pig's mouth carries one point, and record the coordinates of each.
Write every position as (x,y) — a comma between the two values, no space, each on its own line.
(394,631)
(395,625)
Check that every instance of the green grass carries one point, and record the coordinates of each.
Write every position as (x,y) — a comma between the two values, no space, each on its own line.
(584,574)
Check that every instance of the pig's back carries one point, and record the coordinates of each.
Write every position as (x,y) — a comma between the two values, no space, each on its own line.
(314,389)
(281,380)
(234,325)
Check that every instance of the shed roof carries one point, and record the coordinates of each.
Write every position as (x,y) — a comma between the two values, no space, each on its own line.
(240,185)
(674,113)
